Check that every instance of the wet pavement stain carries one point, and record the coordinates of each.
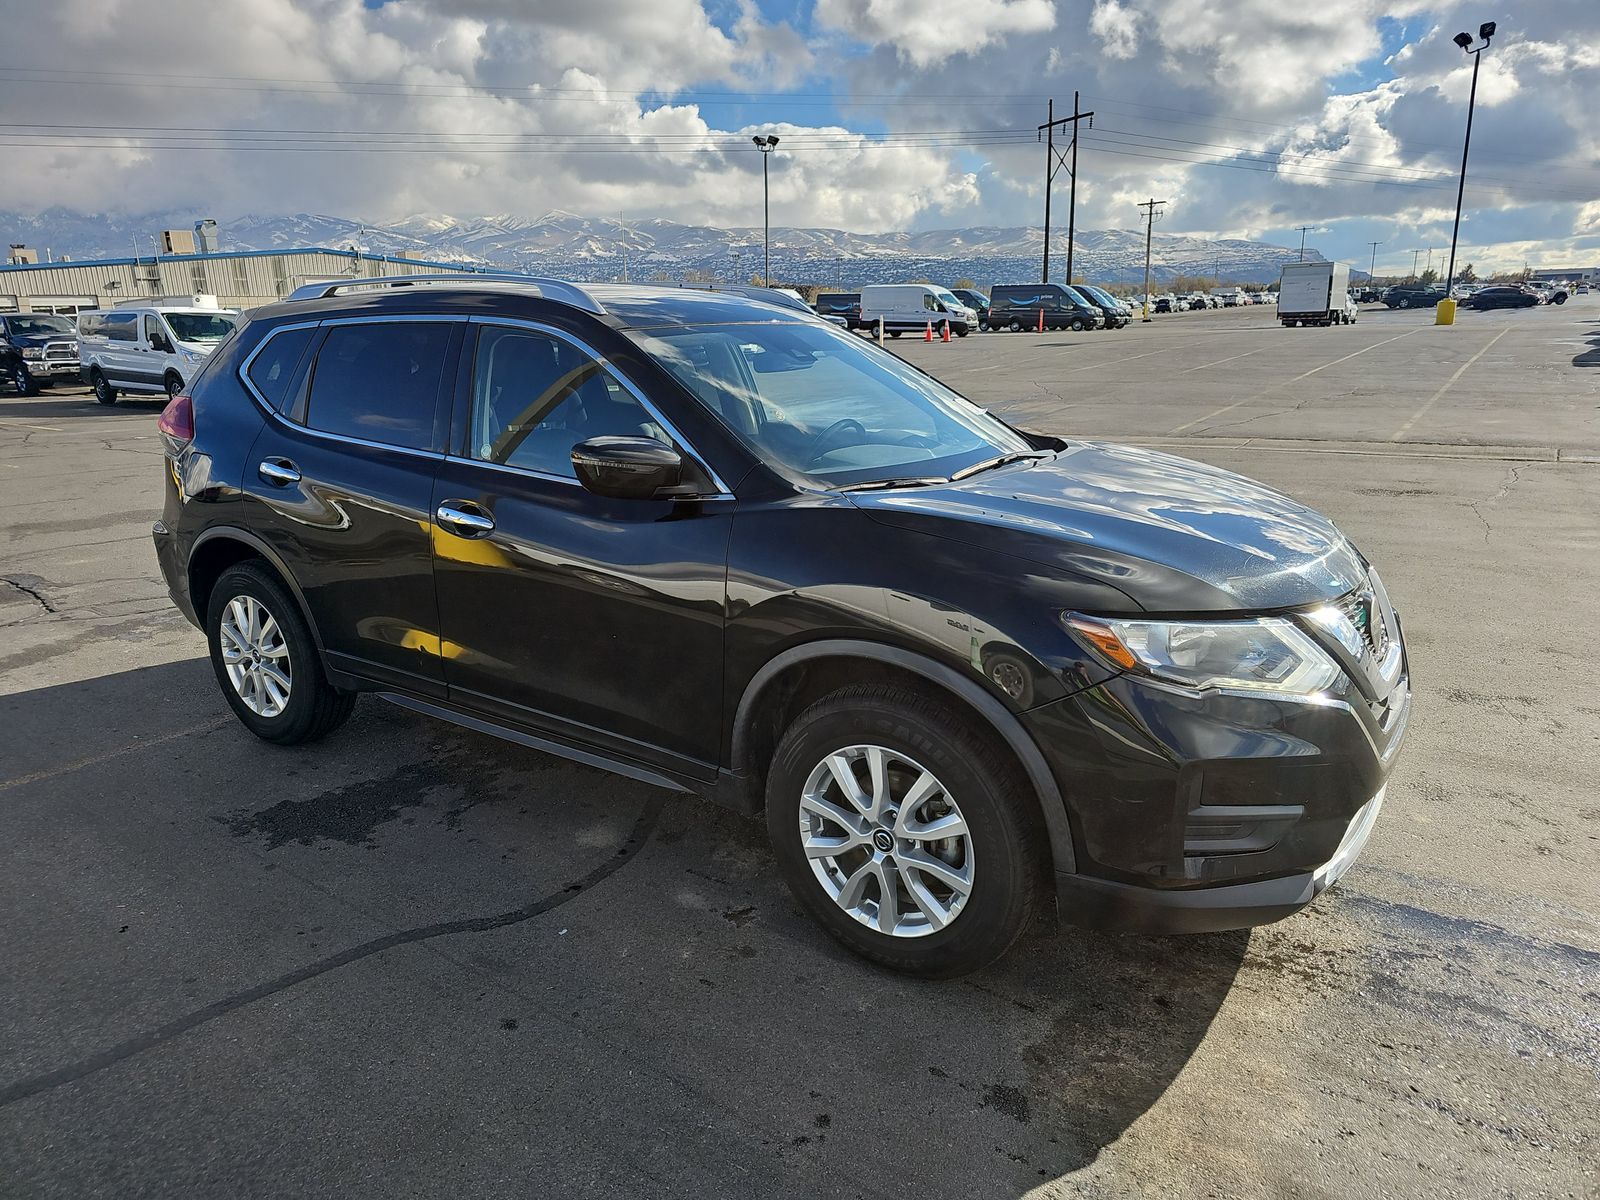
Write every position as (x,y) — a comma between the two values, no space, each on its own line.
(349,815)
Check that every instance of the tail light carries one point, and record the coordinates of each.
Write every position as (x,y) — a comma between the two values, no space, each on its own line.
(177,421)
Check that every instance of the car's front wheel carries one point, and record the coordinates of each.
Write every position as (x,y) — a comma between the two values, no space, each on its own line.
(905,831)
(266,662)
(22,379)
(103,391)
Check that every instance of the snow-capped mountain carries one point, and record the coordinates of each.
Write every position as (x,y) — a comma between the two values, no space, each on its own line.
(603,248)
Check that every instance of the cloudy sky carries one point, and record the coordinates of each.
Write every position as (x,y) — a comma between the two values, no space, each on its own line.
(1251,117)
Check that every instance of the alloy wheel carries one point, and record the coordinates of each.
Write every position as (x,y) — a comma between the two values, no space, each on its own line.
(256,656)
(886,841)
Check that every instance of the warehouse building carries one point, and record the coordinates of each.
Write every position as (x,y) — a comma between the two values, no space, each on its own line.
(238,279)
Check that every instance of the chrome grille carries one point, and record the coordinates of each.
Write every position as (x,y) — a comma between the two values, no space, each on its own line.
(61,351)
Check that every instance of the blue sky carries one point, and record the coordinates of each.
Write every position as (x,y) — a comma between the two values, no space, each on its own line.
(1251,117)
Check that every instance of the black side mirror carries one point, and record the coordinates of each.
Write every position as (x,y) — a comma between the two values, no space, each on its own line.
(630,468)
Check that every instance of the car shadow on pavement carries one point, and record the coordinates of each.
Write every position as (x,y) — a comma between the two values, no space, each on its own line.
(46,405)
(1591,356)
(692,994)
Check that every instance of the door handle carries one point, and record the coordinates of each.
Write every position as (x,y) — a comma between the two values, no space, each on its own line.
(464,519)
(278,471)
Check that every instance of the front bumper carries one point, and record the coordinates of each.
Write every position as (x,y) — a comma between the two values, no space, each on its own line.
(1195,813)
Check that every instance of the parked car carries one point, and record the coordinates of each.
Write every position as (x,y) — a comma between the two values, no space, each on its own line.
(147,349)
(37,350)
(1115,317)
(1405,295)
(976,301)
(915,308)
(1508,296)
(1165,304)
(840,304)
(753,557)
(1020,306)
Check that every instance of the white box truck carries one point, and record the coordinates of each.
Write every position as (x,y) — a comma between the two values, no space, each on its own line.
(1312,293)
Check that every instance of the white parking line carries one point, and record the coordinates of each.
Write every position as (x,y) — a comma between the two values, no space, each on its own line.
(1448,383)
(1220,361)
(1227,408)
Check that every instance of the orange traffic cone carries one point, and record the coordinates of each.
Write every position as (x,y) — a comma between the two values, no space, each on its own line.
(927,335)
(1041,320)
(946,330)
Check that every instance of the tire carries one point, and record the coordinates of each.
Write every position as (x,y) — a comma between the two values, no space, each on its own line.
(1015,326)
(1002,851)
(173,383)
(22,379)
(963,332)
(894,333)
(1560,298)
(1404,302)
(1077,326)
(103,391)
(312,707)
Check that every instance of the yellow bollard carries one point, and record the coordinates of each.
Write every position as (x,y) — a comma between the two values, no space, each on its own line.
(1446,312)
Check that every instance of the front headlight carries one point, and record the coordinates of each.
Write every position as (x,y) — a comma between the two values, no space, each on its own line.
(33,352)
(1265,654)
(189,356)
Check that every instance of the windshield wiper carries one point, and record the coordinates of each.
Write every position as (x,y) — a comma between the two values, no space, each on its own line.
(1002,460)
(875,484)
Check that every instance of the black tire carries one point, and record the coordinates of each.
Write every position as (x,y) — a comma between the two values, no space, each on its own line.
(22,379)
(894,333)
(962,332)
(1006,830)
(173,383)
(1404,302)
(1077,325)
(315,707)
(1559,298)
(103,391)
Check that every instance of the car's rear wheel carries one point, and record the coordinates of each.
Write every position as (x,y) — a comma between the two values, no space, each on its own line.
(103,391)
(266,661)
(1015,326)
(905,831)
(1405,302)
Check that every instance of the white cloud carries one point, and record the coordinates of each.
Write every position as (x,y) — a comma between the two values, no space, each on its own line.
(927,32)
(1117,27)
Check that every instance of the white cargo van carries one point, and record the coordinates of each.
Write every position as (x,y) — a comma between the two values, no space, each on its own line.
(148,348)
(913,308)
(1313,293)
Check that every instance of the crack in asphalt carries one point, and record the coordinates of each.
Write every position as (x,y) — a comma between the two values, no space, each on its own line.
(73,1072)
(30,589)
(1513,477)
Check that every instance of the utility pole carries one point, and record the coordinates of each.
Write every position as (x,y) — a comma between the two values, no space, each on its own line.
(622,225)
(1053,163)
(1429,267)
(1304,229)
(1150,206)
(1415,255)
(1374,266)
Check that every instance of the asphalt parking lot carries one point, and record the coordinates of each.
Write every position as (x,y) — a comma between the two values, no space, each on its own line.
(411,960)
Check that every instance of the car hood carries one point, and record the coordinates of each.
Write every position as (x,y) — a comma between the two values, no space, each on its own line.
(1170,534)
(41,339)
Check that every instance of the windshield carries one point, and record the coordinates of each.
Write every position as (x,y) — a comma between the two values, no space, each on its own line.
(41,323)
(825,406)
(947,298)
(200,327)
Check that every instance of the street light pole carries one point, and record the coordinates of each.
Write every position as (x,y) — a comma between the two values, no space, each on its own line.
(1303,230)
(765,145)
(1464,40)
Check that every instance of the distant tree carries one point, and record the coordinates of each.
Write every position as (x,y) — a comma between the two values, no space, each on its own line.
(661,277)
(966,283)
(1428,277)
(1467,275)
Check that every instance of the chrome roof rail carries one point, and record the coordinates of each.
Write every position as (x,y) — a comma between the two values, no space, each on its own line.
(550,289)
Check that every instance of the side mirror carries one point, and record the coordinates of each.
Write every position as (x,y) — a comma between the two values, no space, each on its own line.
(630,468)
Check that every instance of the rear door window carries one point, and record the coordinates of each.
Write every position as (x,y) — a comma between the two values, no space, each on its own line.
(379,382)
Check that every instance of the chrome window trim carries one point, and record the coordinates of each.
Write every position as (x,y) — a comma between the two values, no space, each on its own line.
(723,491)
(272,413)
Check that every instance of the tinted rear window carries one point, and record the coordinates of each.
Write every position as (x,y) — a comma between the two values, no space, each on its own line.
(379,382)
(273,369)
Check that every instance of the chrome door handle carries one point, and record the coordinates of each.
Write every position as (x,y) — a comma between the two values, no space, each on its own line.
(278,471)
(464,519)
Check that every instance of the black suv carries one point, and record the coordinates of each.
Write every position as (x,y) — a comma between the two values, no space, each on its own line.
(37,349)
(1026,306)
(727,548)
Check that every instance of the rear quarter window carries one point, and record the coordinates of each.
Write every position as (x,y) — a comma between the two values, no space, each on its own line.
(273,368)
